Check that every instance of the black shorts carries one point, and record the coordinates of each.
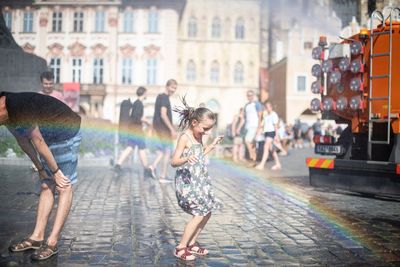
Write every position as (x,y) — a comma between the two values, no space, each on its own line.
(269,134)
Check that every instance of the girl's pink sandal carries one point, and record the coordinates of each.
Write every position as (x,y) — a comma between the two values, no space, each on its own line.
(185,255)
(196,249)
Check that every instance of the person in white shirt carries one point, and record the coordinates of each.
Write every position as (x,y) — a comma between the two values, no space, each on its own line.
(252,116)
(271,133)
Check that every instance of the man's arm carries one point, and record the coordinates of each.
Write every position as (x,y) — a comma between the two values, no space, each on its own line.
(164,117)
(44,151)
(42,148)
(28,148)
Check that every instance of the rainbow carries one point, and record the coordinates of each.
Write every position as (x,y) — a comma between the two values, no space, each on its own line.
(338,224)
(350,234)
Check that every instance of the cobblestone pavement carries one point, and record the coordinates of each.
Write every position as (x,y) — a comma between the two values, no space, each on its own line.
(269,219)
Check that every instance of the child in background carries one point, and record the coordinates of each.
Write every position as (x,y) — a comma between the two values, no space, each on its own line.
(192,182)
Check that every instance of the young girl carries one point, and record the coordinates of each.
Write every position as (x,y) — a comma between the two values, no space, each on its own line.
(193,185)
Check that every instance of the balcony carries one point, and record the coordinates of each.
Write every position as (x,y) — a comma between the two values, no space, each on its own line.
(93,89)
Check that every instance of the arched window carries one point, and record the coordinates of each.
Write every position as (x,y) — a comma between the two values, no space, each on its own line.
(214,72)
(239,29)
(192,27)
(191,71)
(216,28)
(238,73)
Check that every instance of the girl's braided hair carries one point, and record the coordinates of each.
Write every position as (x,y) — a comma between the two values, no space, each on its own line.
(187,114)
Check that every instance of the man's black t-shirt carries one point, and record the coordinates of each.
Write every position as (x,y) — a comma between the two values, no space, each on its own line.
(159,126)
(136,116)
(56,121)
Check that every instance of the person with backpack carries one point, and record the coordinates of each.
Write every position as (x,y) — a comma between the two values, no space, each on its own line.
(131,130)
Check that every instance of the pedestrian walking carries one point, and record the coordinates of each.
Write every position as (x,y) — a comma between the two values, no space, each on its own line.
(271,133)
(47,81)
(193,184)
(47,127)
(134,135)
(163,130)
(237,129)
(252,116)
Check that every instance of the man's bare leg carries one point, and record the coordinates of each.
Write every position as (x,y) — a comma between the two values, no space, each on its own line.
(165,164)
(153,166)
(45,205)
(124,155)
(65,196)
(252,153)
(143,157)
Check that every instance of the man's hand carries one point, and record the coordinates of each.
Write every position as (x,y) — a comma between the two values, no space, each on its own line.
(61,180)
(43,174)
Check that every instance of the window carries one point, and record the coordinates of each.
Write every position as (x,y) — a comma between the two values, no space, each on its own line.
(238,73)
(191,71)
(308,45)
(99,21)
(98,71)
(28,22)
(55,67)
(151,71)
(153,21)
(57,22)
(214,73)
(76,69)
(239,29)
(192,27)
(127,70)
(78,22)
(8,19)
(301,83)
(129,21)
(216,28)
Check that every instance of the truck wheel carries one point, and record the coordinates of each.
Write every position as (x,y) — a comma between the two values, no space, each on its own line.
(345,139)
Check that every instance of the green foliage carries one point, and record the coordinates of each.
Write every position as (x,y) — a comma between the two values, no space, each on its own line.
(8,141)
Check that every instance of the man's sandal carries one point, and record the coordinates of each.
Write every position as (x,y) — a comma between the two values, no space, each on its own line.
(196,249)
(186,255)
(26,244)
(44,252)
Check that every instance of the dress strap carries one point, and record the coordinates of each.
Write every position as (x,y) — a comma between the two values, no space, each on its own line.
(191,138)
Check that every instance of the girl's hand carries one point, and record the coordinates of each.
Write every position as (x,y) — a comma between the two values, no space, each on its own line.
(218,140)
(61,180)
(192,159)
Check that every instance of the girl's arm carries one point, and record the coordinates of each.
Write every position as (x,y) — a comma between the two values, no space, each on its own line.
(211,146)
(176,157)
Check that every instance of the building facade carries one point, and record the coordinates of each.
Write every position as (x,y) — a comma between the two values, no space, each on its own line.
(110,47)
(218,58)
(295,28)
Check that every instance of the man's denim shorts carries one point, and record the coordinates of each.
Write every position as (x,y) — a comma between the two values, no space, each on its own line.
(66,155)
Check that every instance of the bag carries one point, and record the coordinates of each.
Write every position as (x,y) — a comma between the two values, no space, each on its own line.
(124,114)
(228,131)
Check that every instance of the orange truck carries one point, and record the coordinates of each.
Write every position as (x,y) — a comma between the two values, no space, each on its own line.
(358,84)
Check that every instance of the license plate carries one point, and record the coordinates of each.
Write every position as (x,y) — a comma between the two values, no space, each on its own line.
(328,149)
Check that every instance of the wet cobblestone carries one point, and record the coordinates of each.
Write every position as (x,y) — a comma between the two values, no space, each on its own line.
(269,219)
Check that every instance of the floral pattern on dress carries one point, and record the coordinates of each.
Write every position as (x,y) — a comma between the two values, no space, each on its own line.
(193,185)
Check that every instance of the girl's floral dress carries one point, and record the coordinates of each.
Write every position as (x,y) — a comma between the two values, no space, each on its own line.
(193,184)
